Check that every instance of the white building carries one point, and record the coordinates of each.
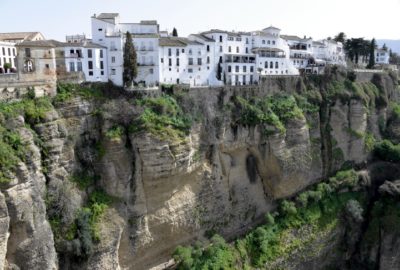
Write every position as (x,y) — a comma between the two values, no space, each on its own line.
(108,31)
(273,53)
(187,61)
(330,51)
(86,57)
(232,50)
(382,57)
(8,54)
(301,50)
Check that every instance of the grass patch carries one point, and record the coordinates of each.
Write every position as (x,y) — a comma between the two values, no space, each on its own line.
(115,133)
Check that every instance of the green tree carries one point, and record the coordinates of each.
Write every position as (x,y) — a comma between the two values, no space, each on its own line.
(219,72)
(341,37)
(372,47)
(174,32)
(130,62)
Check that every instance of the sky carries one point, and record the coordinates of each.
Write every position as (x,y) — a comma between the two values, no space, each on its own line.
(312,18)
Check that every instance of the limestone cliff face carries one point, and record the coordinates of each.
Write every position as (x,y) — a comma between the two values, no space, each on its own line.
(223,177)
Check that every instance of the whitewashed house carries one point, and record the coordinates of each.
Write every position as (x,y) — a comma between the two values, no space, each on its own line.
(186,61)
(330,51)
(272,53)
(382,57)
(8,54)
(301,50)
(233,53)
(108,31)
(86,57)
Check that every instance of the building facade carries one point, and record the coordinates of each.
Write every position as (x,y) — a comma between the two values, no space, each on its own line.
(8,57)
(382,57)
(108,31)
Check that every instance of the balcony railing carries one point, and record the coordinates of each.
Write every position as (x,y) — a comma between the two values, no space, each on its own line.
(240,62)
(146,64)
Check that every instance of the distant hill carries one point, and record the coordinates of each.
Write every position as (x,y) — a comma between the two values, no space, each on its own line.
(390,43)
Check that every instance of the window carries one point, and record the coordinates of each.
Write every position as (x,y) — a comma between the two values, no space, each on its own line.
(190,61)
(251,69)
(162,60)
(263,42)
(79,68)
(101,53)
(89,53)
(13,51)
(47,66)
(190,70)
(208,48)
(28,66)
(271,65)
(230,38)
(236,68)
(102,73)
(244,79)
(220,38)
(247,50)
(177,52)
(183,50)
(151,71)
(100,29)
(220,59)
(9,51)
(229,49)
(220,48)
(266,64)
(4,50)
(273,42)
(71,67)
(112,71)
(190,51)
(90,73)
(177,62)
(247,40)
(238,39)
(229,69)
(276,65)
(113,59)
(237,49)
(169,61)
(90,64)
(169,52)
(199,62)
(208,59)
(27,52)
(244,69)
(101,65)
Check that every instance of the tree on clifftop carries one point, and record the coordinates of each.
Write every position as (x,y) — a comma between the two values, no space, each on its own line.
(341,37)
(130,62)
(174,32)
(372,47)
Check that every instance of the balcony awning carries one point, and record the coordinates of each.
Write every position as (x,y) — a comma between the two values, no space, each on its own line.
(266,49)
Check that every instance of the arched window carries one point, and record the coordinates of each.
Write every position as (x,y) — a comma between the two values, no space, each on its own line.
(263,42)
(276,65)
(28,66)
(266,64)
(271,64)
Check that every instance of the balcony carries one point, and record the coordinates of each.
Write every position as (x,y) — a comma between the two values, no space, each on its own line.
(240,59)
(150,64)
(75,55)
(144,49)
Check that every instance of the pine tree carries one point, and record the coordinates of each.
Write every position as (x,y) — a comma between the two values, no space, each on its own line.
(372,47)
(130,62)
(174,32)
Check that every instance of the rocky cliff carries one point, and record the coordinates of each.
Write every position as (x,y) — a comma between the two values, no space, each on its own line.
(105,180)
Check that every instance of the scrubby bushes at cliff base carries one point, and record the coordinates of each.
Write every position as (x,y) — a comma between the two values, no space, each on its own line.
(317,209)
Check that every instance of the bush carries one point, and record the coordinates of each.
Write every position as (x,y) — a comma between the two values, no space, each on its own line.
(288,207)
(344,179)
(163,118)
(115,133)
(387,151)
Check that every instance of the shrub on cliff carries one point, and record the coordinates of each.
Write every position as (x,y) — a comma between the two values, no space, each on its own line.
(387,151)
(163,118)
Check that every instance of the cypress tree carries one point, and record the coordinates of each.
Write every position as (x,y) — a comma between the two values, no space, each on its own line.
(219,71)
(174,32)
(372,46)
(130,62)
